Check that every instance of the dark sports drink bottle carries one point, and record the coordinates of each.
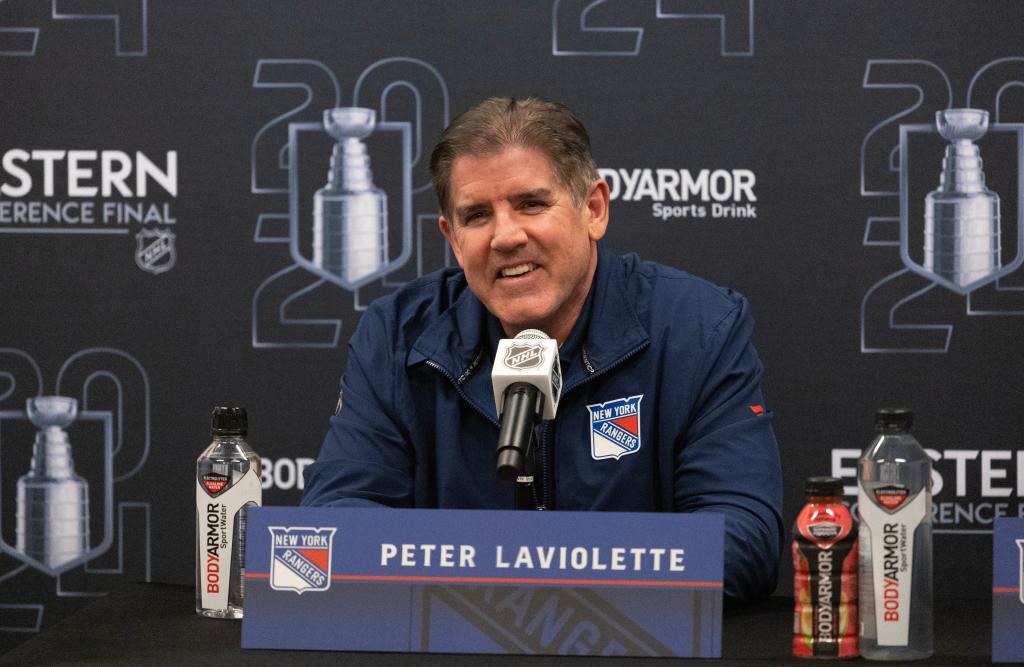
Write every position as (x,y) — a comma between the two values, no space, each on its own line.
(825,574)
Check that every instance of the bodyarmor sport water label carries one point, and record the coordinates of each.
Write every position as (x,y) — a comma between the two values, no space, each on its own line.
(825,582)
(890,530)
(216,514)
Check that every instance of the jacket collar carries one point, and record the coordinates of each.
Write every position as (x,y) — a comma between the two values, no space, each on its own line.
(458,342)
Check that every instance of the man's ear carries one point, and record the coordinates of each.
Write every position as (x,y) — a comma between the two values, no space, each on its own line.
(597,209)
(447,232)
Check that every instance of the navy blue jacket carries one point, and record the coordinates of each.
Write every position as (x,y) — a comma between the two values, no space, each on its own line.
(417,425)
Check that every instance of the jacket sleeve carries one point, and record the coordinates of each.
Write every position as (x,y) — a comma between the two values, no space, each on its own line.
(728,460)
(366,458)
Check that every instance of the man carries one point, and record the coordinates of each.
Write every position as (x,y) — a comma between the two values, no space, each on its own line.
(523,209)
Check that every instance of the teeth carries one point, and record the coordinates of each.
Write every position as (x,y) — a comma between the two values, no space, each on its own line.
(517,270)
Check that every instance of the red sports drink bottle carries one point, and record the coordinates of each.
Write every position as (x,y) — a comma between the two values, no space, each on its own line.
(825,574)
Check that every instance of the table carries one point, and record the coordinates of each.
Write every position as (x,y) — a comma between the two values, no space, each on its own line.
(156,623)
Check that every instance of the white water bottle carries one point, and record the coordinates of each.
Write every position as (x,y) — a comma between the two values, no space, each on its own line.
(894,501)
(227,485)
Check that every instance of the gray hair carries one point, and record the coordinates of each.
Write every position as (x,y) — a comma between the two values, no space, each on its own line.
(499,123)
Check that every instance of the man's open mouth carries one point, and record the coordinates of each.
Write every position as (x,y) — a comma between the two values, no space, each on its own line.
(517,270)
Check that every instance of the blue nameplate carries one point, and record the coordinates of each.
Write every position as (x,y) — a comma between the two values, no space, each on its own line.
(1007,593)
(484,581)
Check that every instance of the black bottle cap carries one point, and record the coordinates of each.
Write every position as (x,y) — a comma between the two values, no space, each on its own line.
(229,420)
(823,486)
(894,420)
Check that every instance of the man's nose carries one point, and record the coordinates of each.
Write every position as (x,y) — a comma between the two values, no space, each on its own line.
(508,232)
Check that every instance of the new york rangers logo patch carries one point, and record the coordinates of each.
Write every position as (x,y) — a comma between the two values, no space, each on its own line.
(300,558)
(615,428)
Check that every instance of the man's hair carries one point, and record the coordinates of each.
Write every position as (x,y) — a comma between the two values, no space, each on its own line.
(499,123)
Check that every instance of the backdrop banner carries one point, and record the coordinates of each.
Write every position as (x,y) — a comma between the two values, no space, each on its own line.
(160,164)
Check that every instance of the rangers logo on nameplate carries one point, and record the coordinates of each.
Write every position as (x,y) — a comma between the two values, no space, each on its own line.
(615,428)
(300,558)
(1020,576)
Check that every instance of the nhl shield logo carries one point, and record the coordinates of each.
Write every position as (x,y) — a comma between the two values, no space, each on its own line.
(300,558)
(615,428)
(524,357)
(154,250)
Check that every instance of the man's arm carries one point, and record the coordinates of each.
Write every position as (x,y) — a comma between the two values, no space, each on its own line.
(728,461)
(366,458)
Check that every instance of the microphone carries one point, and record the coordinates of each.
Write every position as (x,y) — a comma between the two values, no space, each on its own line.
(527,380)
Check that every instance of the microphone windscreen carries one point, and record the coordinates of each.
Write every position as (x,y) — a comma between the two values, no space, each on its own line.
(531,334)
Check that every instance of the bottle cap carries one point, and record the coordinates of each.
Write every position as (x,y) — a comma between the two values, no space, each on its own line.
(823,486)
(894,420)
(229,420)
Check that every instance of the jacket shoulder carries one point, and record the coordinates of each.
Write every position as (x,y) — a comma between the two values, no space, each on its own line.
(669,297)
(412,308)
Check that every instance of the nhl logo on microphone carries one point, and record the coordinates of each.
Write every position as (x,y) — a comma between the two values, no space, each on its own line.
(524,357)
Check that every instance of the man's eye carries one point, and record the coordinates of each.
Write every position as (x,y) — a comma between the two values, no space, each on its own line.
(534,204)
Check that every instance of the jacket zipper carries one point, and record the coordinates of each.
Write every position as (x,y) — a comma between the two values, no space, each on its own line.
(546,500)
(545,468)
(458,389)
(546,454)
(594,374)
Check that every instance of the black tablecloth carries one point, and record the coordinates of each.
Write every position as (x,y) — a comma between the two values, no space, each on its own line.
(156,623)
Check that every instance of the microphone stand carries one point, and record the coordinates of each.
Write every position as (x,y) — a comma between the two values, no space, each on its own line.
(526,490)
(524,406)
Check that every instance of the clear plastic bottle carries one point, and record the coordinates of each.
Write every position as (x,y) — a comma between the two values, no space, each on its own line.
(894,502)
(227,485)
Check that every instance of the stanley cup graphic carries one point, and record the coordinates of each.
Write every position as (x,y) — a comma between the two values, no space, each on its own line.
(961,219)
(53,502)
(350,223)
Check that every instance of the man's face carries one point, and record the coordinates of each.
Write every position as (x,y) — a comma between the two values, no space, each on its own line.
(528,253)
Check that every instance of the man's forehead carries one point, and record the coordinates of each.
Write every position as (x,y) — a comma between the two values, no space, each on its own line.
(511,172)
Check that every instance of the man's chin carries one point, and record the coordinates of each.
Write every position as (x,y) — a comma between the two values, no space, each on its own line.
(514,326)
